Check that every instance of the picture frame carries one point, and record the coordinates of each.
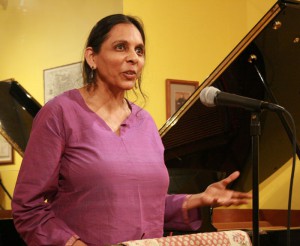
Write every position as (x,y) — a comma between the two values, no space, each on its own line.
(6,152)
(177,92)
(62,78)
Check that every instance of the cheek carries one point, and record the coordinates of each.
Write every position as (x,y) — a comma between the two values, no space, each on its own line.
(140,67)
(108,62)
(109,67)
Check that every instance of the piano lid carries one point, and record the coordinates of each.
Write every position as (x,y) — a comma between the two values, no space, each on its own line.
(17,111)
(218,138)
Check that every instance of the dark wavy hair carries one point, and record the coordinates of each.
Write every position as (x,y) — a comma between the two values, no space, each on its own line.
(99,34)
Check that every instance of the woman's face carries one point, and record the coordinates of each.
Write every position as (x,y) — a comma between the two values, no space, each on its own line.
(121,58)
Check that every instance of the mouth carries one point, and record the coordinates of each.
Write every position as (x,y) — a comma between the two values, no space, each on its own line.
(130,74)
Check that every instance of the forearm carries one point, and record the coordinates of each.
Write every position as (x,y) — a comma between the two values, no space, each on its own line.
(174,214)
(79,243)
(37,181)
(75,241)
(39,226)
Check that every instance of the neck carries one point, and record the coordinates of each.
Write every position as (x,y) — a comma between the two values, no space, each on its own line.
(112,109)
(103,96)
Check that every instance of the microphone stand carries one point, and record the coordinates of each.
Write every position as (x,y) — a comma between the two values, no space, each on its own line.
(255,131)
(252,59)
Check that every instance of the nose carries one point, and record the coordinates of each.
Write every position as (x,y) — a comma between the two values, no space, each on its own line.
(132,57)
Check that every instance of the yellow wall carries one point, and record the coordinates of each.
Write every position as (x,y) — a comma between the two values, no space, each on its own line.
(185,40)
(188,39)
(40,35)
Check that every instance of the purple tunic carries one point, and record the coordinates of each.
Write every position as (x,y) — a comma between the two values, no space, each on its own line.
(97,185)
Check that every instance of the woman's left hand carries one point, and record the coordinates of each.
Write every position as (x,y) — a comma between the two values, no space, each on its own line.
(217,194)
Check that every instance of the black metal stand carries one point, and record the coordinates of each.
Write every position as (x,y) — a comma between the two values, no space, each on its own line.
(255,131)
(252,59)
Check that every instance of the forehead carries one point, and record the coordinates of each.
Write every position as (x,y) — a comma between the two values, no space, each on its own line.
(125,31)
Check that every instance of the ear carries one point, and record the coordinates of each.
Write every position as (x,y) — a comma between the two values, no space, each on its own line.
(89,57)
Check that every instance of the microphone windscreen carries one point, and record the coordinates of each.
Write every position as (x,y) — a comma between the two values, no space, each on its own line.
(208,95)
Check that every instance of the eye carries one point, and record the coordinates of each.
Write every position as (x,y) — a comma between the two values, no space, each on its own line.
(120,47)
(140,51)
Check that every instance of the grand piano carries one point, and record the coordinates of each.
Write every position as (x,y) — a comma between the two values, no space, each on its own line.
(205,144)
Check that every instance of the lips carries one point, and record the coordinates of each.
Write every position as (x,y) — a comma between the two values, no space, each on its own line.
(130,74)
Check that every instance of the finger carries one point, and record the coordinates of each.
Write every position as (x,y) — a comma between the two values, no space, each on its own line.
(239,202)
(235,202)
(240,195)
(230,178)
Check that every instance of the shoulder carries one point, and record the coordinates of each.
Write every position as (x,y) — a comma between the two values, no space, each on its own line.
(61,102)
(64,99)
(142,116)
(56,107)
(140,113)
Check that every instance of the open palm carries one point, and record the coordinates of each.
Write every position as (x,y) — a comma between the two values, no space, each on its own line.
(217,194)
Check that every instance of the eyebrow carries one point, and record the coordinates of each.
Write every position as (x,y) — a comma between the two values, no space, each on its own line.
(125,41)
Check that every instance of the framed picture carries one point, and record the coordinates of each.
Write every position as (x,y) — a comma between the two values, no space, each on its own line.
(63,78)
(177,92)
(6,151)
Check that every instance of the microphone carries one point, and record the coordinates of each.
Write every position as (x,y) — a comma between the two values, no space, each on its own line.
(211,96)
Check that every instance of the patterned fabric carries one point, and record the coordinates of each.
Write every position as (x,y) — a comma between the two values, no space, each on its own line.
(225,238)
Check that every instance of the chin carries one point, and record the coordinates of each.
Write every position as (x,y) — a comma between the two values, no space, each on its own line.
(129,85)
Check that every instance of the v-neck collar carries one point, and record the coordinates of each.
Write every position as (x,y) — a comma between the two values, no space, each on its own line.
(125,123)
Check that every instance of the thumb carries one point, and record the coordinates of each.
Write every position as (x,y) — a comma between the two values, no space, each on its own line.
(230,178)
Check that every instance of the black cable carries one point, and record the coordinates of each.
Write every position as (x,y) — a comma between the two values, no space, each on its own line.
(290,3)
(252,59)
(291,132)
(291,179)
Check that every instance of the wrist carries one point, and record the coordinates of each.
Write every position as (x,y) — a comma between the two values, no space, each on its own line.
(185,208)
(78,242)
(72,240)
(195,201)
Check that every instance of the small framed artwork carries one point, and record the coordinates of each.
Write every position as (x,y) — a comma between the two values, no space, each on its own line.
(6,151)
(177,92)
(63,78)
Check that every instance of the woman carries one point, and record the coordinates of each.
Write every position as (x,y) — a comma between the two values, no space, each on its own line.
(93,172)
